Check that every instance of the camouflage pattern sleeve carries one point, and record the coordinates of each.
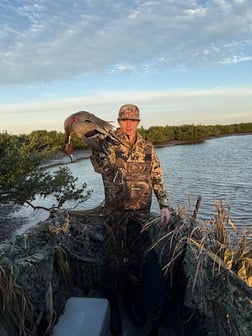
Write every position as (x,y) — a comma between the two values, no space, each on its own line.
(102,162)
(158,182)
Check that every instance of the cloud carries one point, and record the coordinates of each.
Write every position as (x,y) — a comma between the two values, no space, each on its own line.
(42,41)
(158,107)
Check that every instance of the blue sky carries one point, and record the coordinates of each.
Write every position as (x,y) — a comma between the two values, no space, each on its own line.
(181,62)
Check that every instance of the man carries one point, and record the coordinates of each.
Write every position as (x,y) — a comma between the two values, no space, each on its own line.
(131,172)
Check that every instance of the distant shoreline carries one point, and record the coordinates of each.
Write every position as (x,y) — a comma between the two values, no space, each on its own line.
(84,153)
(192,142)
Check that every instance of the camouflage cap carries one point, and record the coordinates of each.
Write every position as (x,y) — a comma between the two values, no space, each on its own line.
(128,111)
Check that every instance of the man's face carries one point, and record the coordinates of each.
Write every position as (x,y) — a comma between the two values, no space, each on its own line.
(129,127)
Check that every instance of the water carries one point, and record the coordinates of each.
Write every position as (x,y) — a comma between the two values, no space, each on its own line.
(219,169)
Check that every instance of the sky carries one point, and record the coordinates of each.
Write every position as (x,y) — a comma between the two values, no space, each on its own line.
(181,62)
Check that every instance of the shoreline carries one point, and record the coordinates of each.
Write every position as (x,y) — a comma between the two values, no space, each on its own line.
(195,142)
(11,221)
(84,153)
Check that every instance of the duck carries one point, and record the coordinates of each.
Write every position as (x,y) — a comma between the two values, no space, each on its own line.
(97,133)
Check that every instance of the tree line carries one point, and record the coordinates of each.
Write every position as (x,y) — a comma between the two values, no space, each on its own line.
(159,135)
(22,176)
(51,142)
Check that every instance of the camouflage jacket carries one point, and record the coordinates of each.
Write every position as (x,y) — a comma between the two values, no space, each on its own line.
(130,174)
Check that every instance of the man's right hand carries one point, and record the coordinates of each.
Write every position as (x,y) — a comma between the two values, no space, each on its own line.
(165,216)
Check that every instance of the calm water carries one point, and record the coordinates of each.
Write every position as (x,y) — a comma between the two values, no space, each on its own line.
(218,170)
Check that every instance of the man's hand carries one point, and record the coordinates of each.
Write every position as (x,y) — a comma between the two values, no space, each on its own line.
(165,216)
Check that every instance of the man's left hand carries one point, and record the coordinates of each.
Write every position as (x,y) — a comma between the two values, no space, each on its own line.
(165,216)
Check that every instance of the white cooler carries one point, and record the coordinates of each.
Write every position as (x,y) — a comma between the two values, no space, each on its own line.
(84,316)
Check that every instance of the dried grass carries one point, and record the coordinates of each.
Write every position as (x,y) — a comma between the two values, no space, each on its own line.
(17,311)
(216,257)
(217,260)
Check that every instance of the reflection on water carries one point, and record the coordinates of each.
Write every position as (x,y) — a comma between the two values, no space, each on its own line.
(218,170)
